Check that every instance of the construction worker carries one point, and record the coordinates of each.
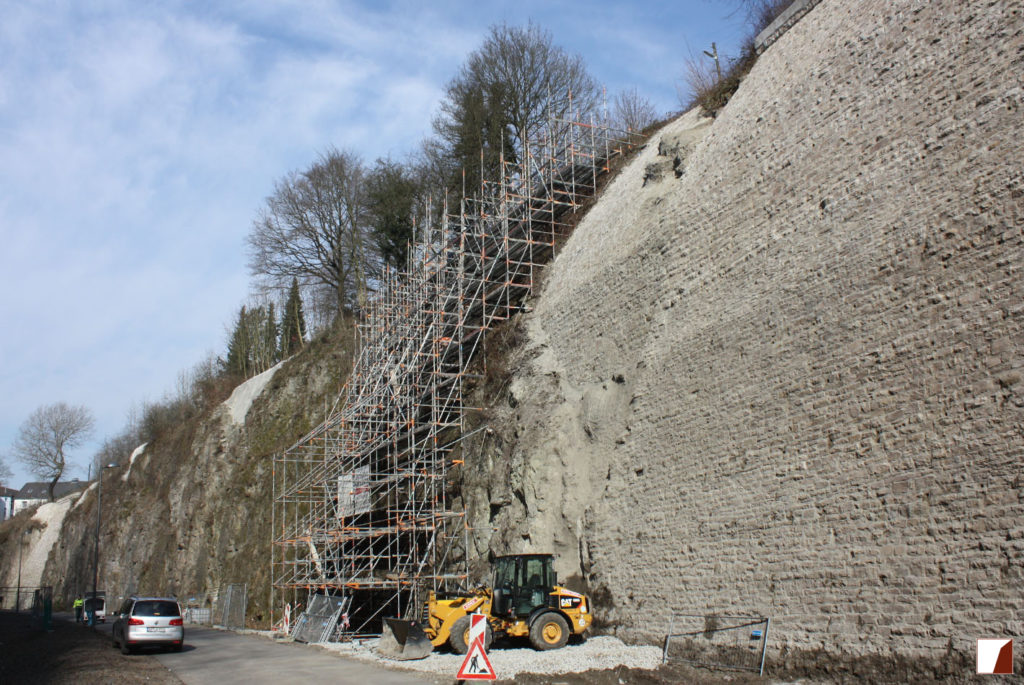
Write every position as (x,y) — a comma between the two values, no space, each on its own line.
(78,609)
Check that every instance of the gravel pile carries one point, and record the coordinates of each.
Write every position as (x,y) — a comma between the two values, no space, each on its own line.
(596,653)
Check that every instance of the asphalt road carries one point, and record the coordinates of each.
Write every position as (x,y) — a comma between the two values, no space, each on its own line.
(221,657)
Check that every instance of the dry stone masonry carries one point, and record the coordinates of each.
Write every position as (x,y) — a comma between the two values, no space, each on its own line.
(790,381)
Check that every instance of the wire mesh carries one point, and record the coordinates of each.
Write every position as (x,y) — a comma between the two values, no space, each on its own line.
(319,621)
(231,606)
(712,641)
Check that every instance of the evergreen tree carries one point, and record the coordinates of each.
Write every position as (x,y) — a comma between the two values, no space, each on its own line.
(266,324)
(238,347)
(252,348)
(293,323)
(392,192)
(474,126)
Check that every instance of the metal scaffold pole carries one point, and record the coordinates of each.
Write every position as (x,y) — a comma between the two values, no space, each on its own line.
(361,508)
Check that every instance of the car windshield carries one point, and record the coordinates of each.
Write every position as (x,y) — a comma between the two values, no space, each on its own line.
(155,608)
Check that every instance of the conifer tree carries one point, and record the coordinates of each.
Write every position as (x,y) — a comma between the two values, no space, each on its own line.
(392,192)
(238,347)
(293,323)
(267,354)
(253,347)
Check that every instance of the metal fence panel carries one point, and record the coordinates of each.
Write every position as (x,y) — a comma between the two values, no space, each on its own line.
(320,619)
(730,642)
(231,605)
(21,598)
(198,615)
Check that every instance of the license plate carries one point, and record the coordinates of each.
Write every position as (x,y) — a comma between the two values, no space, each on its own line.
(154,630)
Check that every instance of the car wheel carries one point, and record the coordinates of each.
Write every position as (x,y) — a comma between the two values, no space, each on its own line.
(549,631)
(176,648)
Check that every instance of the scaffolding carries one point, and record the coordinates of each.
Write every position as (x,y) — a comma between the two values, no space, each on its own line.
(361,503)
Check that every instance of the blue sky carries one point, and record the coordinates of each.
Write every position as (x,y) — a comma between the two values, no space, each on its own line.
(138,140)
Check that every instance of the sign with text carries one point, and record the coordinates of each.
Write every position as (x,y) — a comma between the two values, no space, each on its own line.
(354,492)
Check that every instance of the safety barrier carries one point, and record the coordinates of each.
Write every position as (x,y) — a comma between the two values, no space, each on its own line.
(713,641)
(320,620)
(790,16)
(230,607)
(198,615)
(24,597)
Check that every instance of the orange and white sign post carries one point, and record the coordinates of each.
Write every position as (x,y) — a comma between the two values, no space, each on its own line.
(476,665)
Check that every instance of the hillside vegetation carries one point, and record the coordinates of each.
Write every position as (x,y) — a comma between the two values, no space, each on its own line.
(193,511)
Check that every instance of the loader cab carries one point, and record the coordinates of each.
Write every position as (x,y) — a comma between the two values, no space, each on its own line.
(522,583)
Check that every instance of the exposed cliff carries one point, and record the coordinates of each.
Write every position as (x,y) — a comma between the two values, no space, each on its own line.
(192,511)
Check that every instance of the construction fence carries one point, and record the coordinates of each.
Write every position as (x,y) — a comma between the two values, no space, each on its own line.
(713,641)
(323,617)
(229,609)
(24,597)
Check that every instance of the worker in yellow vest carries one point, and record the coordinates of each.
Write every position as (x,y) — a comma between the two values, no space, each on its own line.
(78,609)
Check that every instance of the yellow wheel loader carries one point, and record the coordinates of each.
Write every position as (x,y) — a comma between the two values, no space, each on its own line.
(525,600)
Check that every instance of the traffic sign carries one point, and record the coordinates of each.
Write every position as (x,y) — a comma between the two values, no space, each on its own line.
(476,665)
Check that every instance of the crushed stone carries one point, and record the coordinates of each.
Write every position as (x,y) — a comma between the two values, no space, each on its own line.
(601,652)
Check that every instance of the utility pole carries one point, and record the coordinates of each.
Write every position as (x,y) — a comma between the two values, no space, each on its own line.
(96,545)
(714,55)
(21,551)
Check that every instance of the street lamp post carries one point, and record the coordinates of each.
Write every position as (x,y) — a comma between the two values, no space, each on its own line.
(96,544)
(21,551)
(714,55)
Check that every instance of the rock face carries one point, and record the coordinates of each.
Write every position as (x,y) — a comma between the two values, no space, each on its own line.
(193,512)
(788,382)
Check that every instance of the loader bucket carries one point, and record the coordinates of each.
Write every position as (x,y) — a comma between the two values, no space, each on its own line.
(403,640)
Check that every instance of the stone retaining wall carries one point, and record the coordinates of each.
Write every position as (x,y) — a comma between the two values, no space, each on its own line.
(789,382)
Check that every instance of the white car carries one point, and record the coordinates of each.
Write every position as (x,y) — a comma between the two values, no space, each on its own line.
(149,622)
(96,605)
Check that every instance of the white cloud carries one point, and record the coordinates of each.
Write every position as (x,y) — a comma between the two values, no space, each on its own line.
(137,141)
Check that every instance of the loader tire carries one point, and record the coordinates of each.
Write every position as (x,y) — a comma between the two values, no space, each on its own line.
(549,631)
(459,638)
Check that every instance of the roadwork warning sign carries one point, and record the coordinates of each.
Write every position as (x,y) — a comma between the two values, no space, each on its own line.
(476,665)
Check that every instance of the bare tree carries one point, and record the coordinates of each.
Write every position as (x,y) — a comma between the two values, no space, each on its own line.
(505,93)
(46,436)
(313,229)
(760,13)
(700,77)
(432,167)
(115,450)
(632,111)
(5,473)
